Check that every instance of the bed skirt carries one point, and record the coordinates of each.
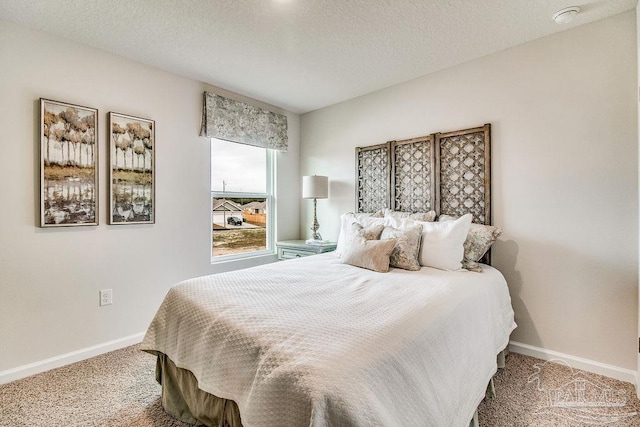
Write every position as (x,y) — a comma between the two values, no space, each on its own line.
(183,400)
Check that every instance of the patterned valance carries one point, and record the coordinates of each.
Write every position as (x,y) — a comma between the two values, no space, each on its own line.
(236,121)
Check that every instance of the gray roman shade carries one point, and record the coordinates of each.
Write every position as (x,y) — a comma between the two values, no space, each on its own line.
(236,121)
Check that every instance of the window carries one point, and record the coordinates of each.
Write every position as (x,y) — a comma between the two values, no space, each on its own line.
(241,200)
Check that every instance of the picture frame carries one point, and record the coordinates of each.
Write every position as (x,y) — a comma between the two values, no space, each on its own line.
(68,164)
(131,170)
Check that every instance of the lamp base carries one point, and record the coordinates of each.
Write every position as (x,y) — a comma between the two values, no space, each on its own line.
(315,226)
(316,236)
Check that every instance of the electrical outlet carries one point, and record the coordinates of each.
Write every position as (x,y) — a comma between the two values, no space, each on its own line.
(106,297)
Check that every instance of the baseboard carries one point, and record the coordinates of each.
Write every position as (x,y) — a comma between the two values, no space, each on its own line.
(592,366)
(13,374)
(68,358)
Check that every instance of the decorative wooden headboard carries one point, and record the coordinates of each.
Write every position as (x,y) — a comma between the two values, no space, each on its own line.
(449,173)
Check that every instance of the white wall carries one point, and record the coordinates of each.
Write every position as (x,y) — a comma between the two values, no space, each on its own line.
(50,278)
(565,152)
(638,100)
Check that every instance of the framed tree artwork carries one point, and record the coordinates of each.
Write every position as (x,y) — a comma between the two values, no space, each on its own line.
(132,169)
(68,164)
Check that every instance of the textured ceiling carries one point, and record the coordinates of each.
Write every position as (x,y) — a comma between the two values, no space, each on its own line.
(302,55)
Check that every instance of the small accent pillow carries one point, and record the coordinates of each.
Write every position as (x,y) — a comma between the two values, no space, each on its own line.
(345,227)
(418,216)
(477,243)
(405,254)
(357,230)
(442,243)
(369,233)
(369,254)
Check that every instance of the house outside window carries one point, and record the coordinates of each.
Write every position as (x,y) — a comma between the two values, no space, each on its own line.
(242,203)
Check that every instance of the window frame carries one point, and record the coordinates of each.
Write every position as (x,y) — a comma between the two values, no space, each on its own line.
(269,197)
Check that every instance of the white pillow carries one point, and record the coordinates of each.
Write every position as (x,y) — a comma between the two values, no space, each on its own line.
(345,226)
(402,223)
(478,242)
(418,216)
(442,243)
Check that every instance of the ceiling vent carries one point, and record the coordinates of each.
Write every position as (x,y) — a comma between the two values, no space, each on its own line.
(566,15)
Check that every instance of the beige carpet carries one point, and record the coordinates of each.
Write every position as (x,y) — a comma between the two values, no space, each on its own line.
(119,389)
(531,392)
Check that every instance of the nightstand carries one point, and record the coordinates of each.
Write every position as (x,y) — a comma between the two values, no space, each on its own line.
(289,249)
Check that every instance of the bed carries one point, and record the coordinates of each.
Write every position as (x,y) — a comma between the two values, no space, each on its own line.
(316,341)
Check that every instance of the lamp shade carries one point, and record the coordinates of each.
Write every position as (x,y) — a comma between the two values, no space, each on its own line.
(315,187)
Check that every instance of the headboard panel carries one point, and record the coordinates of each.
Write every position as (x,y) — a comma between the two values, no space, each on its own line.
(373,169)
(446,172)
(413,162)
(463,173)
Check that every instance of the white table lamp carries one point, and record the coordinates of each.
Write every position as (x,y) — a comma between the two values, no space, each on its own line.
(315,187)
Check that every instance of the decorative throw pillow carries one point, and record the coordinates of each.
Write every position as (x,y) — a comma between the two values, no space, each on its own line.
(372,232)
(478,241)
(369,254)
(418,216)
(345,227)
(442,243)
(357,230)
(405,253)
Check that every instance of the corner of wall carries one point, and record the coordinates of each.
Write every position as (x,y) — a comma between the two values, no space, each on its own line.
(638,108)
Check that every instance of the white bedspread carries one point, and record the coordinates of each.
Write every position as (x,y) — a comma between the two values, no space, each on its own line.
(312,342)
